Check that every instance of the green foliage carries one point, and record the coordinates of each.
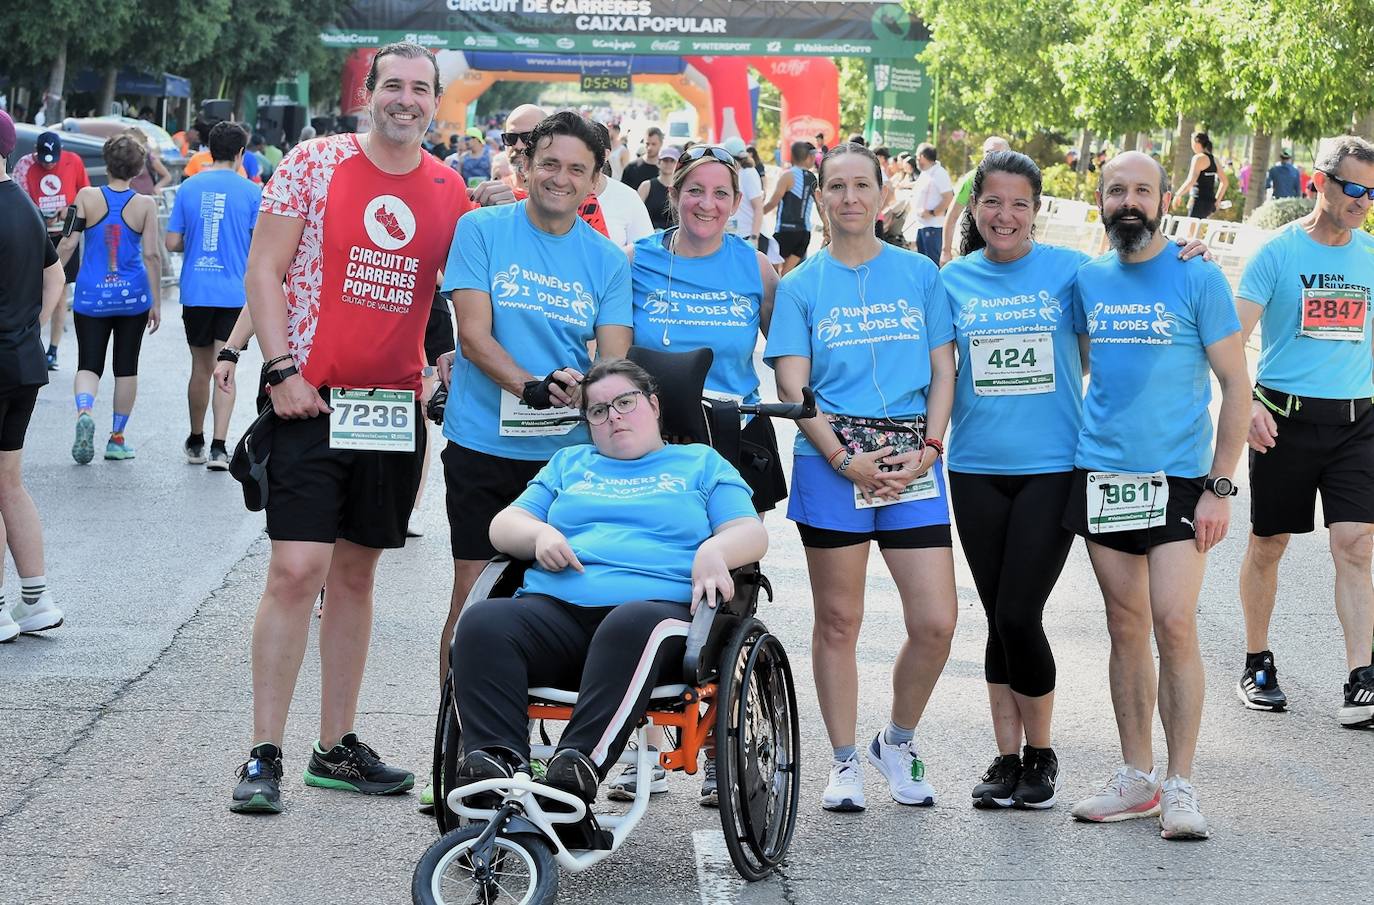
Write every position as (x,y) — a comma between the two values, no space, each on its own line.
(768,125)
(1280,211)
(1058,181)
(853,95)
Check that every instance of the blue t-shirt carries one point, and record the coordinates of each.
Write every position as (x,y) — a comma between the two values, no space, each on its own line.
(252,167)
(548,295)
(478,167)
(681,304)
(1293,275)
(992,434)
(215,211)
(635,524)
(1149,325)
(868,331)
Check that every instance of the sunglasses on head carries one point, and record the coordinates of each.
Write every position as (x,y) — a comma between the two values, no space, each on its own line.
(511,139)
(1351,189)
(715,151)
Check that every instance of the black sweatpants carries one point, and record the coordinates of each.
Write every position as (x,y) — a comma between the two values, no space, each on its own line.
(613,656)
(1009,527)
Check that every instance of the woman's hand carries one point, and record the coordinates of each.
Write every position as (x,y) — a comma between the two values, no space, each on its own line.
(552,552)
(906,468)
(865,474)
(710,576)
(154,319)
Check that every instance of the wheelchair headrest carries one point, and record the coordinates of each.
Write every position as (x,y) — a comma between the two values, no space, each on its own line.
(681,379)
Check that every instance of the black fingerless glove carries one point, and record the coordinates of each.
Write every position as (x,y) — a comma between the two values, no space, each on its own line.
(536,393)
(434,409)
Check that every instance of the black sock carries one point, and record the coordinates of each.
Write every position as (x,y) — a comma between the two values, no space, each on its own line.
(1358,673)
(1254,660)
(52,350)
(265,751)
(195,440)
(219,445)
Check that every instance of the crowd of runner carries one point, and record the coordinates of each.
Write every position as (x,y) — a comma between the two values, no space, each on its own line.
(1042,394)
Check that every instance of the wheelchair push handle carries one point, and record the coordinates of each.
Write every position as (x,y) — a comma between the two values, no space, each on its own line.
(793,411)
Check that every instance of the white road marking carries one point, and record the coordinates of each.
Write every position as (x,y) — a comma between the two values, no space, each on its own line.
(717,879)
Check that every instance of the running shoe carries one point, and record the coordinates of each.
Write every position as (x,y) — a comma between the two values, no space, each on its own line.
(83,448)
(1180,817)
(1358,710)
(218,460)
(999,783)
(1038,787)
(259,788)
(1129,793)
(904,769)
(52,360)
(709,797)
(9,629)
(845,791)
(478,765)
(355,767)
(118,449)
(39,616)
(572,771)
(1258,687)
(195,451)
(627,783)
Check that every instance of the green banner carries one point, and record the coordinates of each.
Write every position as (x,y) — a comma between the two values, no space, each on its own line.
(899,107)
(635,44)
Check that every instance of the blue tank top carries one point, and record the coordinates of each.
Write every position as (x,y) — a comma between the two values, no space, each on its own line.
(796,204)
(708,302)
(112,280)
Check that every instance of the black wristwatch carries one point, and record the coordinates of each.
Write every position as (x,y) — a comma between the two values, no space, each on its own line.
(277,376)
(1222,487)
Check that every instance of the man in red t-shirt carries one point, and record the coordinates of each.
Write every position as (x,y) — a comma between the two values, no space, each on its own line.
(52,177)
(351,235)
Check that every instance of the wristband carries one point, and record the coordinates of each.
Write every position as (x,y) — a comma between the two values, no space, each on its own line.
(833,456)
(229,354)
(848,460)
(278,360)
(935,445)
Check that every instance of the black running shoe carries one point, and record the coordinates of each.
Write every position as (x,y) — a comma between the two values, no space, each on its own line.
(1358,710)
(1039,779)
(355,767)
(572,771)
(259,788)
(480,764)
(1258,687)
(995,791)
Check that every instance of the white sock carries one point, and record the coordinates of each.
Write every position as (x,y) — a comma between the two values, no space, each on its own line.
(30,589)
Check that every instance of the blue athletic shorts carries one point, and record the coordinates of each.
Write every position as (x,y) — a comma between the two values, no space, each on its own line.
(823,498)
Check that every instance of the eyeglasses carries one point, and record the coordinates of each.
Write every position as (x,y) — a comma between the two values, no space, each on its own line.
(511,139)
(598,412)
(1351,189)
(718,153)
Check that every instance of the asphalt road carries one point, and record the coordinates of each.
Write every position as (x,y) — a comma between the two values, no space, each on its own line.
(123,729)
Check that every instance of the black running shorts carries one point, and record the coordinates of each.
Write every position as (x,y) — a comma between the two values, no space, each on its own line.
(1177,524)
(320,494)
(918,538)
(206,325)
(16,408)
(1335,460)
(478,486)
(793,243)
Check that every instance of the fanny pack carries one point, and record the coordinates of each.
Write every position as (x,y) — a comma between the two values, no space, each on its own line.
(1310,410)
(860,435)
(248,465)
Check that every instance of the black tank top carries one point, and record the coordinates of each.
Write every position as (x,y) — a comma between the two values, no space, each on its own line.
(1206,186)
(657,203)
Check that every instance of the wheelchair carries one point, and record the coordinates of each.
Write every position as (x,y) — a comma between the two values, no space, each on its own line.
(736,698)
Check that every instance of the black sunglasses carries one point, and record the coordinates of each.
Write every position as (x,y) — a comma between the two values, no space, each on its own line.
(511,139)
(1351,189)
(718,153)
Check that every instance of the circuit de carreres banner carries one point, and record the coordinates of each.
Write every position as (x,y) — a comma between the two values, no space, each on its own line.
(825,28)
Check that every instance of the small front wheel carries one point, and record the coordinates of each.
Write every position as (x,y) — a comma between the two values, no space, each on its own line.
(523,871)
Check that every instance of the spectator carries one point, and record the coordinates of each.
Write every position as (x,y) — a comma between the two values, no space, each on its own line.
(1283,178)
(931,196)
(645,168)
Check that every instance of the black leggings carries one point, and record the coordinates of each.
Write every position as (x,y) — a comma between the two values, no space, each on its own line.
(1009,527)
(613,656)
(93,336)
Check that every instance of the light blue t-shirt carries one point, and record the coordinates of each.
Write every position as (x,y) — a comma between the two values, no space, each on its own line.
(1293,275)
(635,524)
(681,304)
(215,211)
(868,331)
(1031,433)
(548,295)
(1149,325)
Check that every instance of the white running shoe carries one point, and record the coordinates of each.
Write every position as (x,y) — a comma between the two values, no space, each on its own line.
(904,769)
(1180,816)
(845,791)
(9,629)
(38,616)
(1129,793)
(627,783)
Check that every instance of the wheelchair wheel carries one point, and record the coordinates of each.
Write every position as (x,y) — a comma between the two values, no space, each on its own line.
(758,742)
(448,750)
(524,872)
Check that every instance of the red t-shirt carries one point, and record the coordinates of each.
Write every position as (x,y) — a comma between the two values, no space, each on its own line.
(360,287)
(589,210)
(52,189)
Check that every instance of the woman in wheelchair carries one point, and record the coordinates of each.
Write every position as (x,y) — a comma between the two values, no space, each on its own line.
(628,536)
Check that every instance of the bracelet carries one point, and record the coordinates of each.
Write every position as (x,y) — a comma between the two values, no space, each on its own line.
(229,354)
(277,360)
(935,445)
(848,460)
(833,456)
